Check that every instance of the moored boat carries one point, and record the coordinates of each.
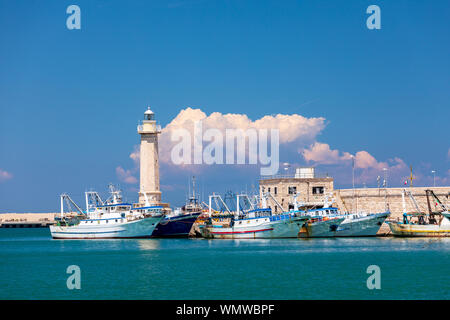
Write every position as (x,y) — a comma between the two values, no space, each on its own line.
(110,220)
(320,226)
(257,223)
(178,223)
(329,222)
(420,224)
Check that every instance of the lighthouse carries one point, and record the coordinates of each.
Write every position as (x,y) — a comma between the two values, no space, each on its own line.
(148,129)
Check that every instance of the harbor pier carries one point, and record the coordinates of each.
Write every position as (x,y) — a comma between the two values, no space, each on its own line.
(26,220)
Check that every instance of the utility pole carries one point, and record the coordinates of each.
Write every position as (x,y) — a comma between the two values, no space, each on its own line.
(385,188)
(434,178)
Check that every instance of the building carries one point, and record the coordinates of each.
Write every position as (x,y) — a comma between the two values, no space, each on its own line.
(312,191)
(310,188)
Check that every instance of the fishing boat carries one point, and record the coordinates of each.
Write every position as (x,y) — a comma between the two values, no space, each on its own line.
(318,224)
(179,222)
(329,222)
(113,219)
(257,223)
(419,223)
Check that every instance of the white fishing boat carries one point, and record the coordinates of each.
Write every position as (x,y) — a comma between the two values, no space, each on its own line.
(420,224)
(320,227)
(257,223)
(111,220)
(329,222)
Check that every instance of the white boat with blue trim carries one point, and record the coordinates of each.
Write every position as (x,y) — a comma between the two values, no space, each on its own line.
(111,220)
(257,223)
(329,222)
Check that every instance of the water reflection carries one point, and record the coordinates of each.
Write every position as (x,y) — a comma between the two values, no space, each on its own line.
(149,244)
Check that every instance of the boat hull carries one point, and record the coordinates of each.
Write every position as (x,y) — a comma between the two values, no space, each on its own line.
(142,228)
(287,228)
(417,230)
(361,227)
(177,226)
(321,229)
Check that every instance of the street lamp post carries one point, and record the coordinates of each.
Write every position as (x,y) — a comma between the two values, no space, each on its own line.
(385,187)
(434,178)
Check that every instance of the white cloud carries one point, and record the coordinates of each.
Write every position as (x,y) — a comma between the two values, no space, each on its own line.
(321,153)
(291,127)
(126,175)
(5,175)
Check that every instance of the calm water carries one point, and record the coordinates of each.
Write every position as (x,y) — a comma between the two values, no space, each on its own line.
(33,266)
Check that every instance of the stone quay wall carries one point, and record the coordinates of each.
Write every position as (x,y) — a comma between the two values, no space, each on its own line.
(374,199)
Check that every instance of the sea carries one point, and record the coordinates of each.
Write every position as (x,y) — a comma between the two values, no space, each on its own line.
(34,267)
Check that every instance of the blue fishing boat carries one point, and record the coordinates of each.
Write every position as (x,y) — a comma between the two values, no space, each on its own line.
(178,225)
(179,222)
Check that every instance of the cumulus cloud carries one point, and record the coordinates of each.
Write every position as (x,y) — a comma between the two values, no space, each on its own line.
(128,176)
(322,153)
(4,175)
(291,127)
(369,166)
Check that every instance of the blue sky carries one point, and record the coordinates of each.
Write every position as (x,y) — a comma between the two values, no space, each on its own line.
(70,99)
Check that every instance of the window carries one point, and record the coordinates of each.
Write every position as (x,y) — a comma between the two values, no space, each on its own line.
(275,190)
(268,190)
(292,190)
(317,190)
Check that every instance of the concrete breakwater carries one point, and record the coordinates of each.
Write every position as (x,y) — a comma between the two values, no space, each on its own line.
(26,220)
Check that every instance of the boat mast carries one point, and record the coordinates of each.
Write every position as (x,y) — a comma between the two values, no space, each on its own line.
(353,184)
(295,201)
(237,206)
(69,201)
(193,187)
(62,206)
(274,200)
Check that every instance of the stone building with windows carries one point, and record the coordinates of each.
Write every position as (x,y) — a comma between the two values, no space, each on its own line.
(310,188)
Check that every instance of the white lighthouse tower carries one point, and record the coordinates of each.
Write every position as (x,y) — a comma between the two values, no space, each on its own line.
(149,191)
